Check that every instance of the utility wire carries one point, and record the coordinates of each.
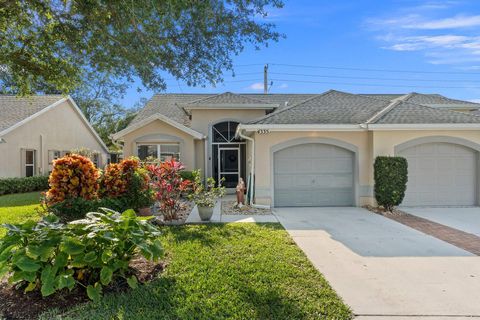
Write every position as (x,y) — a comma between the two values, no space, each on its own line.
(371,78)
(374,70)
(375,85)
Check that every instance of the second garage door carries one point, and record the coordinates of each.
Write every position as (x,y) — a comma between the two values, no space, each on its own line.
(440,174)
(313,175)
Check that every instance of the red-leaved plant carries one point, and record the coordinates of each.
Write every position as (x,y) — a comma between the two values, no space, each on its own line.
(169,187)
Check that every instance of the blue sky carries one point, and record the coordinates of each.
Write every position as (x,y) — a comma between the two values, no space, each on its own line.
(361,47)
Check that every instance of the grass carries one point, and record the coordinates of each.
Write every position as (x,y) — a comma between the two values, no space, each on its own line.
(235,271)
(18,208)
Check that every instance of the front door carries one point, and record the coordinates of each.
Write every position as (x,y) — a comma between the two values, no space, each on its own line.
(229,166)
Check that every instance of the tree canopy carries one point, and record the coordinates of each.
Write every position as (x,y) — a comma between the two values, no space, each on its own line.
(53,43)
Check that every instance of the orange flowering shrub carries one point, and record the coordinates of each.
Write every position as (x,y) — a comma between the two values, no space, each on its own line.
(73,176)
(113,183)
(117,178)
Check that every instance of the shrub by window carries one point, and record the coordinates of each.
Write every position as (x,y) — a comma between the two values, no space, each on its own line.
(391,175)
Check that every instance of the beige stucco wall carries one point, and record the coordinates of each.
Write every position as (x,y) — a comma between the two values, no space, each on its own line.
(159,131)
(370,144)
(202,120)
(384,142)
(60,128)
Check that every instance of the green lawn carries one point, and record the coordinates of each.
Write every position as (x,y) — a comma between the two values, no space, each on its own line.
(235,271)
(18,208)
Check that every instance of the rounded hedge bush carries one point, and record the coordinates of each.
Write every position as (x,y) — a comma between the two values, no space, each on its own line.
(391,176)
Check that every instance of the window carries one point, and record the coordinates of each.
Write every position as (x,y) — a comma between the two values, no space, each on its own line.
(224,132)
(29,163)
(163,151)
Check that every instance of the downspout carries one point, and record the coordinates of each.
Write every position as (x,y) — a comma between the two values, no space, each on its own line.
(252,168)
(205,160)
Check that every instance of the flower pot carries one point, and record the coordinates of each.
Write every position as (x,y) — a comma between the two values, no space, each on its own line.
(145,212)
(205,213)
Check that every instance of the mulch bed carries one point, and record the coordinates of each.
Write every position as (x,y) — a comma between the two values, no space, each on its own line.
(461,239)
(183,213)
(229,208)
(14,304)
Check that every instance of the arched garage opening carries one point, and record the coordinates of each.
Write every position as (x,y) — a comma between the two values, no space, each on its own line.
(442,171)
(314,173)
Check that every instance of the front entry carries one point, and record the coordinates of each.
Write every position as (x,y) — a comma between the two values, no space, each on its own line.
(228,154)
(229,166)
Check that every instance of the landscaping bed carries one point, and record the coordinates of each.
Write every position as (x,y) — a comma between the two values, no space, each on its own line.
(241,271)
(17,305)
(229,208)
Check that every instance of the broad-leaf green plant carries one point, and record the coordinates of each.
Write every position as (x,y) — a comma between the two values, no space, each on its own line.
(91,253)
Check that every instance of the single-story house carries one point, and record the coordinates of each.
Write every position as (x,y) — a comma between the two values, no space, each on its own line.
(36,130)
(316,149)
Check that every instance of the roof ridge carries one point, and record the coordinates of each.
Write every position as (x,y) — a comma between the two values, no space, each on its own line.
(290,107)
(451,112)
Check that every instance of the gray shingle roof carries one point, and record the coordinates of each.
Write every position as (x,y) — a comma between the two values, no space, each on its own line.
(334,107)
(225,98)
(409,113)
(14,109)
(436,100)
(431,100)
(170,104)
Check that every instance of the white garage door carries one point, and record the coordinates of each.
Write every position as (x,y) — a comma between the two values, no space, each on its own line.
(313,175)
(440,174)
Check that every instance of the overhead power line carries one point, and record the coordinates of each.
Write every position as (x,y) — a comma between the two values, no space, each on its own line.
(374,70)
(371,78)
(375,85)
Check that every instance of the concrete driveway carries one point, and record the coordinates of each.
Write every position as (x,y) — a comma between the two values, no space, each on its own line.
(465,219)
(382,268)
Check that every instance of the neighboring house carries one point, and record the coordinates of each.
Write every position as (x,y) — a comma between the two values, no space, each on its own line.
(315,149)
(38,129)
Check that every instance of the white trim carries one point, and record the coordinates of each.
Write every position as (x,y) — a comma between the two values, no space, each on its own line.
(89,126)
(33,116)
(301,127)
(387,109)
(161,117)
(361,127)
(427,126)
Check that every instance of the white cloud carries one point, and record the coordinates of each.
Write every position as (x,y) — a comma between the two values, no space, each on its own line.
(256,86)
(283,86)
(456,22)
(442,36)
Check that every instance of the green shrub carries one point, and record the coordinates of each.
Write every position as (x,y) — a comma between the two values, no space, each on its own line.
(75,208)
(50,256)
(22,185)
(188,175)
(391,175)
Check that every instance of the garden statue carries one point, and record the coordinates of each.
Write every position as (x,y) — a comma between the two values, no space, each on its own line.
(240,189)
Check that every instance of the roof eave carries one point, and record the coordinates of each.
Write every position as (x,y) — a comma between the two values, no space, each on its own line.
(301,127)
(424,126)
(119,135)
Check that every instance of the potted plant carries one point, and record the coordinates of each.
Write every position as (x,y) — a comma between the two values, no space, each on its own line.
(205,196)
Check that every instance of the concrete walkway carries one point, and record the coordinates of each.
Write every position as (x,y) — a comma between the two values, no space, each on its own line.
(219,218)
(383,269)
